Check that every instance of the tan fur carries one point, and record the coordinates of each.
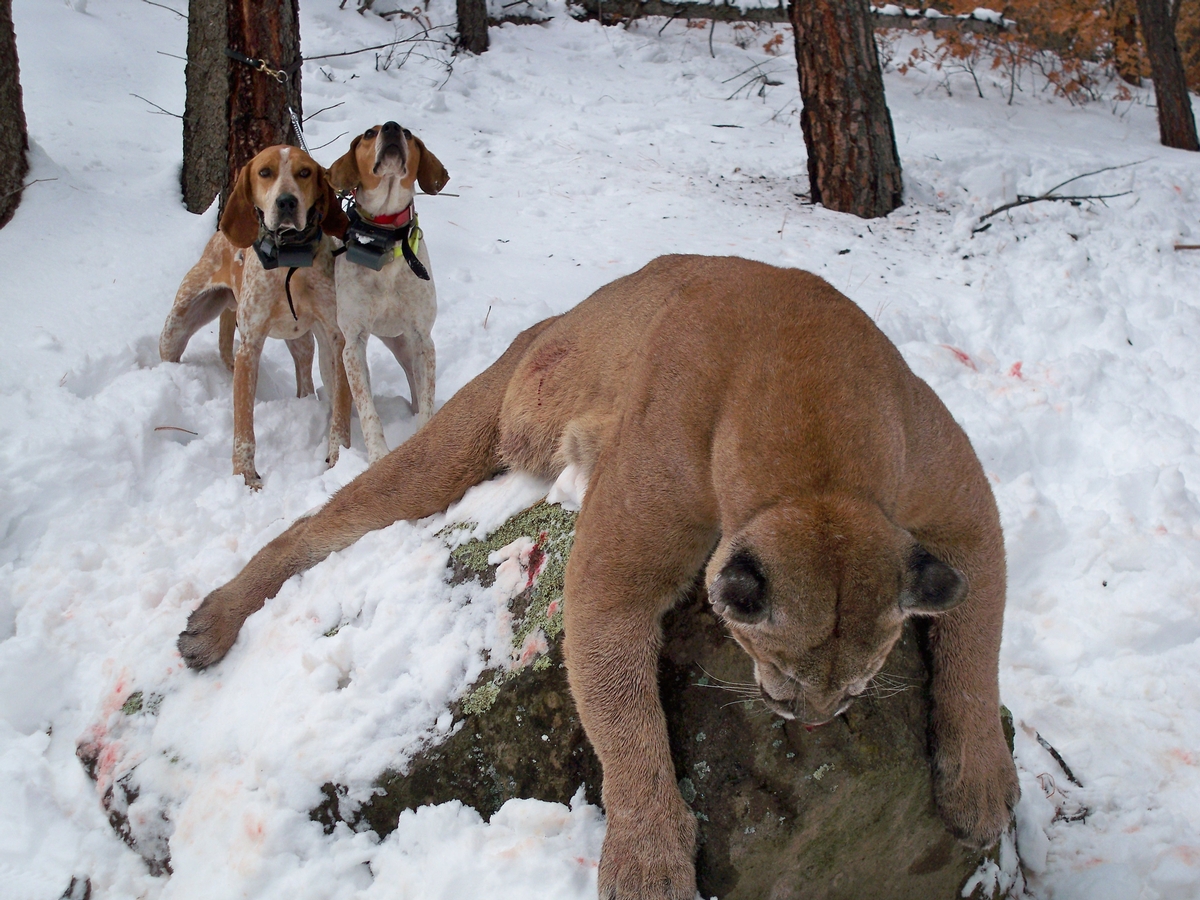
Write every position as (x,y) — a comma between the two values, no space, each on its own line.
(229,281)
(741,417)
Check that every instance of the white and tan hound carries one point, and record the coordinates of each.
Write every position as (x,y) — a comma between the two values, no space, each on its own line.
(392,296)
(284,197)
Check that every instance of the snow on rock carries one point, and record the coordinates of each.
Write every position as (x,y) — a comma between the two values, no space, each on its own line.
(1063,338)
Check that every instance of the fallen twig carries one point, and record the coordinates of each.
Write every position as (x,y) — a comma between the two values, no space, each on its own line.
(176,428)
(1049,748)
(1023,200)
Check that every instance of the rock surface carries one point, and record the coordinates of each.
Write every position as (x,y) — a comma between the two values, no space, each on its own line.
(841,811)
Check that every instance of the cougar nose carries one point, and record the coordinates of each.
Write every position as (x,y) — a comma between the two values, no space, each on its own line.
(287,204)
(390,127)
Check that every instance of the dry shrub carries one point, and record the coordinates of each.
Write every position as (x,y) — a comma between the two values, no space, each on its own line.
(1074,44)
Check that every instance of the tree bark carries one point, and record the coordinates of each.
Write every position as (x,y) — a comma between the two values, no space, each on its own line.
(1176,125)
(233,111)
(853,165)
(14,140)
(472,26)
(206,107)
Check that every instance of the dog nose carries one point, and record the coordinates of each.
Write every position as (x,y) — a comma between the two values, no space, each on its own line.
(287,204)
(390,127)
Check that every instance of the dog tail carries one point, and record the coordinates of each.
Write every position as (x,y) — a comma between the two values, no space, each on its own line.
(457,448)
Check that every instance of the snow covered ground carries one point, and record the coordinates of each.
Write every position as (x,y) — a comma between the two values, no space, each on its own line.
(1064,339)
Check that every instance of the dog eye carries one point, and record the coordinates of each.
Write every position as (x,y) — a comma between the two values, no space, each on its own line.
(304,173)
(264,173)
(370,133)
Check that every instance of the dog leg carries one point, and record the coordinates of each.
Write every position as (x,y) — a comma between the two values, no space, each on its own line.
(197,303)
(428,473)
(245,383)
(355,357)
(633,556)
(225,336)
(975,780)
(302,356)
(418,359)
(333,373)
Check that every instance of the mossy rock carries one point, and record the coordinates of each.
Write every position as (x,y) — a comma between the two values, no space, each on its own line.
(842,811)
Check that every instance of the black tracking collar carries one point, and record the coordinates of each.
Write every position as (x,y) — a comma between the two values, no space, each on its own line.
(374,246)
(293,249)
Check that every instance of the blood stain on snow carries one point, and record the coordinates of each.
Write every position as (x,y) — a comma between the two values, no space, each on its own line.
(1015,371)
(962,357)
(1178,754)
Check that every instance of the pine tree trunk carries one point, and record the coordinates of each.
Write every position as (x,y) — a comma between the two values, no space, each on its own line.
(206,107)
(853,165)
(233,111)
(472,25)
(1176,125)
(14,141)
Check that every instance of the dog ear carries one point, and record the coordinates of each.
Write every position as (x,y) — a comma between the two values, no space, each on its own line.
(239,220)
(333,220)
(344,173)
(929,586)
(431,174)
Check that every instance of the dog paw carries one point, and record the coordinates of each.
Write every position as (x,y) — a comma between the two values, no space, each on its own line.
(976,789)
(210,632)
(253,479)
(649,857)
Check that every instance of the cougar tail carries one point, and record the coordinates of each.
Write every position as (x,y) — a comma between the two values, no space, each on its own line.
(457,448)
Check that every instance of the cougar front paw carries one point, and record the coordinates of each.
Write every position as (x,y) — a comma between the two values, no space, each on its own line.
(211,631)
(976,789)
(649,857)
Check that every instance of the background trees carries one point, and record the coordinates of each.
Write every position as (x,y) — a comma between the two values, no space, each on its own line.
(13,137)
(233,110)
(1176,125)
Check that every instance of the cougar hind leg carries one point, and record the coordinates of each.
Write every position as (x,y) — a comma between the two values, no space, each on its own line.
(582,441)
(456,450)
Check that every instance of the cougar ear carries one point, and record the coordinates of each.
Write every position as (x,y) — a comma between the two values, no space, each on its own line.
(239,220)
(333,220)
(929,586)
(343,174)
(739,592)
(431,174)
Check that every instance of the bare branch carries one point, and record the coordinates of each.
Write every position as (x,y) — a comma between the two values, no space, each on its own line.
(327,143)
(161,111)
(324,109)
(417,39)
(25,185)
(167,8)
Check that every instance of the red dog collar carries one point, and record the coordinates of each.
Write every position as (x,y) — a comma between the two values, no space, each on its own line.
(395,220)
